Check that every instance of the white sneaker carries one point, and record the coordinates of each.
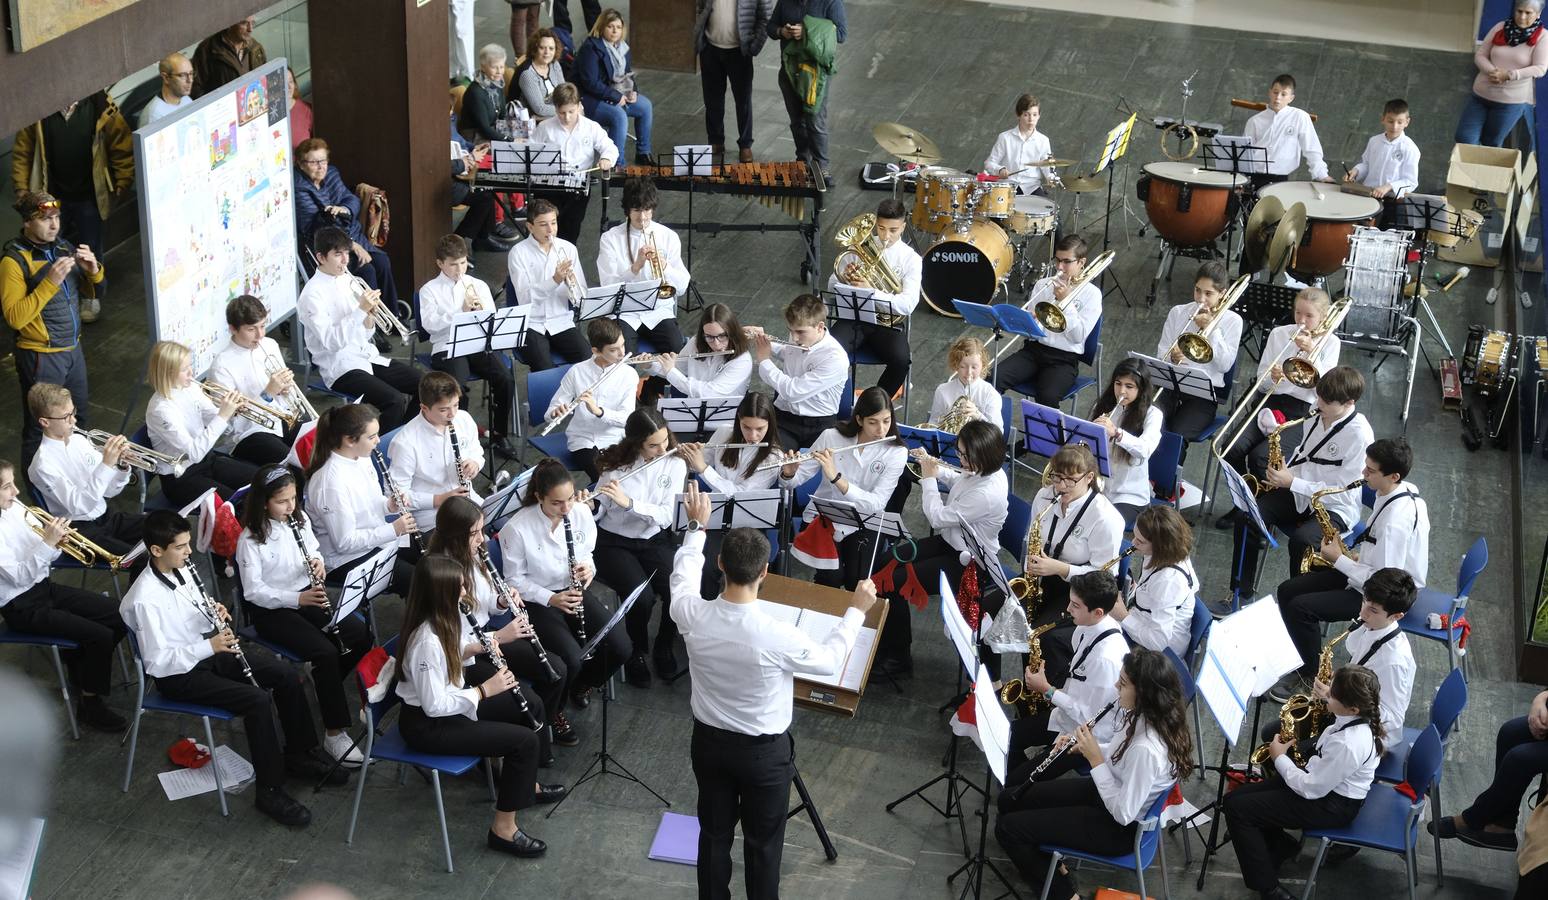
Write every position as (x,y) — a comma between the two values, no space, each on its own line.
(341,747)
(91,308)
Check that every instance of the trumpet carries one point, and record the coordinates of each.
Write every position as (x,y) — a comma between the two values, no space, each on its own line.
(638,359)
(808,457)
(73,544)
(295,396)
(136,456)
(658,269)
(382,317)
(260,414)
(1194,345)
(917,470)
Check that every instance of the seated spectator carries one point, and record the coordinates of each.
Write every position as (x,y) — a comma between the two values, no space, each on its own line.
(478,223)
(300,111)
(483,103)
(537,77)
(223,56)
(605,72)
(323,200)
(176,85)
(1520,758)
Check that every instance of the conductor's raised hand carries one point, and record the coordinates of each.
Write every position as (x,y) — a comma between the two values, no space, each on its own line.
(697,504)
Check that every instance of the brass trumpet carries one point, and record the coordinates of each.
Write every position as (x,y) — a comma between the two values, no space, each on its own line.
(658,269)
(260,414)
(1194,345)
(74,544)
(137,457)
(383,318)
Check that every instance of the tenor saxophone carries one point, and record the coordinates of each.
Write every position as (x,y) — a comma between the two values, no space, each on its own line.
(1312,557)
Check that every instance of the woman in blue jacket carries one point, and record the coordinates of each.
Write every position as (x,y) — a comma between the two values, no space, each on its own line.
(604,72)
(323,199)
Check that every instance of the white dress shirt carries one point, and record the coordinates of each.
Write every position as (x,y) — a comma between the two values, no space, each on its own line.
(724,479)
(73,479)
(1129,786)
(807,384)
(348,510)
(905,263)
(242,369)
(1014,151)
(425,679)
(24,558)
(1093,681)
(583,146)
(1397,535)
(1393,663)
(1225,339)
(1288,135)
(442,299)
(1082,311)
(274,573)
(1395,163)
(871,474)
(534,553)
(335,328)
(981,392)
(652,497)
(1160,604)
(615,397)
(712,376)
(1090,538)
(165,612)
(532,277)
(423,463)
(1129,462)
(186,422)
(615,261)
(978,503)
(1280,347)
(1331,456)
(744,660)
(1345,763)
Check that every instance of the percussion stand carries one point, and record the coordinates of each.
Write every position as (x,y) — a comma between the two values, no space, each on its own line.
(1107,225)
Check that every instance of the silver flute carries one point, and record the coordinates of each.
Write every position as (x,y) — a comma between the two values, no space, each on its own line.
(577,618)
(504,594)
(779,343)
(808,457)
(553,424)
(397,495)
(495,656)
(212,612)
(676,454)
(463,481)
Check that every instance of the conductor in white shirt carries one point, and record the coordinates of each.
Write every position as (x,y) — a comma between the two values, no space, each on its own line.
(744,666)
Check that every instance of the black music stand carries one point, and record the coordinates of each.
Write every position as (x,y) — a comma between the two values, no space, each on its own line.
(528,160)
(1047,431)
(487,331)
(1263,308)
(697,415)
(1115,148)
(1234,153)
(364,583)
(1424,213)
(497,505)
(1246,502)
(1180,378)
(691,161)
(884,524)
(617,301)
(599,763)
(940,444)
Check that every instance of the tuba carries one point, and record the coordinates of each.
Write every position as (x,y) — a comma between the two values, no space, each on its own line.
(858,236)
(1303,717)
(1312,558)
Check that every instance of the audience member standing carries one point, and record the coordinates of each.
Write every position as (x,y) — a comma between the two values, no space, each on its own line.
(590,9)
(223,56)
(524,22)
(727,35)
(177,77)
(789,23)
(1510,59)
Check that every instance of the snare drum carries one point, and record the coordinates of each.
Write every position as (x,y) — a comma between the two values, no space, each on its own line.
(995,199)
(1032,215)
(924,184)
(1331,217)
(1188,205)
(965,266)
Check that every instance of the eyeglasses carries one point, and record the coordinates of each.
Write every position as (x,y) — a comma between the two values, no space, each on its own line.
(1065,261)
(716,337)
(69,415)
(315,162)
(1067,479)
(188,74)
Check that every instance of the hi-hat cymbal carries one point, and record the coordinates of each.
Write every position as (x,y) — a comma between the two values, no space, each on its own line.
(905,143)
(1085,184)
(1286,239)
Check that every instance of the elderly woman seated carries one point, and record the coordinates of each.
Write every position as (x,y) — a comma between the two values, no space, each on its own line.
(483,102)
(323,200)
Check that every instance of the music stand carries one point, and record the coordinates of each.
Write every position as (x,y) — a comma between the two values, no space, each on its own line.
(486,331)
(497,504)
(1187,379)
(1114,148)
(1003,318)
(526,160)
(693,161)
(697,415)
(1234,153)
(847,303)
(761,509)
(600,761)
(1047,430)
(940,444)
(1263,308)
(1424,213)
(618,301)
(885,524)
(1243,498)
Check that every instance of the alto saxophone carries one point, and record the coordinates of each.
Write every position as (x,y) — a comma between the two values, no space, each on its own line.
(1015,691)
(1303,717)
(1312,558)
(1029,588)
(1276,457)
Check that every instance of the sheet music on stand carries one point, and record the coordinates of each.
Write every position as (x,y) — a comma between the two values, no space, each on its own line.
(847,303)
(761,509)
(697,415)
(1423,213)
(364,582)
(1234,153)
(1180,378)
(940,444)
(1116,144)
(693,159)
(588,651)
(535,163)
(988,559)
(1048,430)
(497,505)
(1247,652)
(483,330)
(1243,499)
(629,301)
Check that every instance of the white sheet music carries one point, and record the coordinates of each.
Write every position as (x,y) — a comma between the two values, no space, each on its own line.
(817,626)
(17,864)
(235,773)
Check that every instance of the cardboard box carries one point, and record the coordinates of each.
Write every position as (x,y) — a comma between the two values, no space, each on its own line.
(1529,221)
(1485,180)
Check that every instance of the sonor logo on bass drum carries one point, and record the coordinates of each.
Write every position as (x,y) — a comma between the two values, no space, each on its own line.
(960,256)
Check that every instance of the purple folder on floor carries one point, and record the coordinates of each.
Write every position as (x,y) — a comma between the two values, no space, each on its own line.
(677,839)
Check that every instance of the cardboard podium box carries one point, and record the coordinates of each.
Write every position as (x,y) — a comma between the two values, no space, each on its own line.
(1484,180)
(805,595)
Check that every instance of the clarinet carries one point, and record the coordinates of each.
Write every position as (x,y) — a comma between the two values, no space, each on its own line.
(398,496)
(331,629)
(498,658)
(211,612)
(503,592)
(577,618)
(463,481)
(1055,754)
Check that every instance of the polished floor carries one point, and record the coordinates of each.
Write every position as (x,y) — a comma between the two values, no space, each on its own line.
(952,71)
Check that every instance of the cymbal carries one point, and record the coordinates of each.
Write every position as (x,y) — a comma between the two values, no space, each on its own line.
(1268,211)
(1085,184)
(1051,163)
(1287,239)
(905,143)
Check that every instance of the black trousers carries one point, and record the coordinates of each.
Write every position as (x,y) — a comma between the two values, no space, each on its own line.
(114,531)
(935,556)
(1306,601)
(486,366)
(666,336)
(501,730)
(1257,815)
(1027,732)
(479,220)
(66,368)
(1249,453)
(590,9)
(802,431)
(218,681)
(742,778)
(1186,415)
(262,448)
(216,470)
(1519,759)
(87,618)
(572,207)
(482,669)
(586,460)
(890,345)
(556,631)
(717,67)
(402,571)
(1068,812)
(538,352)
(393,389)
(300,631)
(1050,372)
(622,563)
(1278,510)
(854,562)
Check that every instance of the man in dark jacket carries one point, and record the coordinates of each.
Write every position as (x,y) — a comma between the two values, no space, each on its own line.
(225,55)
(727,34)
(808,129)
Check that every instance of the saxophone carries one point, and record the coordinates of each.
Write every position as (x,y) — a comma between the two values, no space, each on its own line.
(1304,716)
(1312,558)
(1016,691)
(1319,711)
(1029,588)
(1276,457)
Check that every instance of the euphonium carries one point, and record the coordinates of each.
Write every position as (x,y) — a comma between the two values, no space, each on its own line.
(1051,315)
(858,236)
(73,544)
(1303,716)
(1015,691)
(1194,345)
(657,269)
(1312,558)
(1276,456)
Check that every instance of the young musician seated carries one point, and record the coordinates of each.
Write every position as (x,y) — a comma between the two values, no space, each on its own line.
(546,274)
(1016,149)
(1288,134)
(459,534)
(349,509)
(584,145)
(451,292)
(1397,535)
(888,344)
(30,601)
(635,541)
(1331,455)
(436,455)
(182,421)
(251,365)
(1049,363)
(726,373)
(744,665)
(1133,429)
(1389,167)
(188,647)
(966,360)
(862,478)
(807,374)
(336,312)
(1326,793)
(1099,646)
(598,395)
(1186,414)
(282,581)
(548,550)
(74,479)
(1156,608)
(632,250)
(1376,642)
(977,499)
(1082,531)
(443,713)
(1147,751)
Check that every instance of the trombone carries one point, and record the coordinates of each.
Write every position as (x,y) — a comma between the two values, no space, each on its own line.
(295,396)
(664,291)
(1194,345)
(1051,316)
(260,414)
(76,545)
(136,456)
(382,317)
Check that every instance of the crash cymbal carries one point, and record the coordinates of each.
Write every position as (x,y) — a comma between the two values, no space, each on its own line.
(1286,239)
(905,143)
(1268,211)
(1085,184)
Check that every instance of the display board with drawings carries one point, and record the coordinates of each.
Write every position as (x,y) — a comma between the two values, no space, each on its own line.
(217,210)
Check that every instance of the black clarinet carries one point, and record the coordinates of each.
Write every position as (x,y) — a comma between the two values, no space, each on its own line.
(331,629)
(398,497)
(1060,751)
(462,481)
(498,658)
(212,612)
(577,618)
(503,593)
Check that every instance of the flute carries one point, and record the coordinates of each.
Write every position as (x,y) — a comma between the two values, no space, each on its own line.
(808,457)
(502,591)
(212,613)
(495,656)
(706,447)
(777,342)
(553,424)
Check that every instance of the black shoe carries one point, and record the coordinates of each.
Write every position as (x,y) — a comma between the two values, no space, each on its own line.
(644,159)
(636,672)
(1292,683)
(1488,840)
(492,244)
(1227,519)
(282,808)
(898,666)
(547,762)
(666,663)
(1445,827)
(1219,608)
(827,178)
(549,793)
(522,844)
(581,699)
(382,344)
(501,444)
(94,712)
(1278,893)
(564,733)
(1284,848)
(312,764)
(1340,853)
(507,231)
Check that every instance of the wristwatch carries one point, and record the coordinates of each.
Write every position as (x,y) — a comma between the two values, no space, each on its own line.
(693,525)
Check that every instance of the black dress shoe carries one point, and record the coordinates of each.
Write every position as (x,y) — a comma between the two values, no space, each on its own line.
(1340,853)
(1445,827)
(549,793)
(492,244)
(547,762)
(520,844)
(1488,840)
(666,663)
(1278,893)
(644,159)
(507,231)
(382,344)
(94,712)
(282,808)
(564,733)
(312,764)
(637,672)
(581,699)
(502,445)
(1227,519)
(1219,608)
(898,666)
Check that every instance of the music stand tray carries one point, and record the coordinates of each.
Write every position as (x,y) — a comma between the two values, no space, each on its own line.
(696,415)
(822,694)
(940,444)
(1047,430)
(1185,378)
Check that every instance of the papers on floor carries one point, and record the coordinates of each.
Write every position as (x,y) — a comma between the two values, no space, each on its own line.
(235,773)
(677,839)
(16,864)
(817,626)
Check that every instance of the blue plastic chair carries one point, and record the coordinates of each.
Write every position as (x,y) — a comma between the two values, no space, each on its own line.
(541,387)
(1147,843)
(1013,534)
(389,746)
(1431,600)
(148,699)
(1388,820)
(1165,470)
(1198,632)
(1445,712)
(847,399)
(54,645)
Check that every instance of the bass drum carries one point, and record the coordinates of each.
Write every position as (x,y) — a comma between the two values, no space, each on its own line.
(965,265)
